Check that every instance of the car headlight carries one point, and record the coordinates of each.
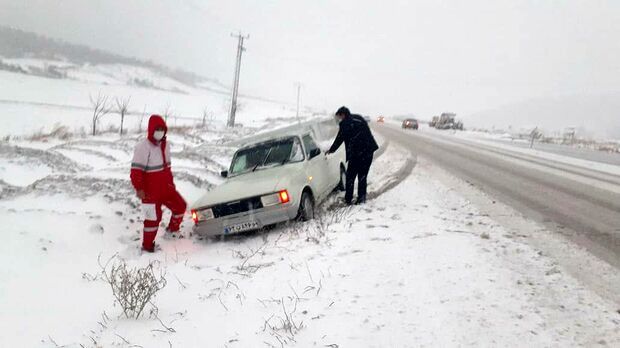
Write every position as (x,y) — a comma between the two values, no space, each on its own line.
(202,215)
(280,197)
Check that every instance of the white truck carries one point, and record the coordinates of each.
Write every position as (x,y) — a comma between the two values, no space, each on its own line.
(447,120)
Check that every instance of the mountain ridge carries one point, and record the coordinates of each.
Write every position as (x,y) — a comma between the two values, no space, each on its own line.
(17,43)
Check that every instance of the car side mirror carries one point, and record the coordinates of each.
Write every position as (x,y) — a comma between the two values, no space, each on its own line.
(224,173)
(315,152)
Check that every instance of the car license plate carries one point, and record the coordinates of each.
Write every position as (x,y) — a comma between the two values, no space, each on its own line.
(246,226)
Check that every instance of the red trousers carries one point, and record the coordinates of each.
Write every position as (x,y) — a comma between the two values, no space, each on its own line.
(152,216)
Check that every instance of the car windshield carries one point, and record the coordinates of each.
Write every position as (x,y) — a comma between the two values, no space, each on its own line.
(270,154)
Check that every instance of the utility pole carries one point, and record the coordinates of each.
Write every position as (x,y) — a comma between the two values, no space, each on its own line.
(298,94)
(235,90)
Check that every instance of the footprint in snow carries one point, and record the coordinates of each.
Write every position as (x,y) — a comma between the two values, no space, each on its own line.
(45,243)
(96,229)
(133,251)
(379,239)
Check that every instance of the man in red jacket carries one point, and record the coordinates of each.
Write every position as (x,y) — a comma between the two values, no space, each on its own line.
(151,176)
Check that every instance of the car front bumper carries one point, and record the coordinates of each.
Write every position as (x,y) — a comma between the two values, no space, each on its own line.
(263,216)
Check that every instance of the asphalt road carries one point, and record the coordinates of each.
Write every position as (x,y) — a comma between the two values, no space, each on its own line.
(579,203)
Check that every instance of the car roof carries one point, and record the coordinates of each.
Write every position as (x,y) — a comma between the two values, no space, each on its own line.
(268,140)
(297,129)
(285,134)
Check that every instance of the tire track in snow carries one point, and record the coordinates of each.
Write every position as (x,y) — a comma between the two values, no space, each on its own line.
(391,181)
(57,161)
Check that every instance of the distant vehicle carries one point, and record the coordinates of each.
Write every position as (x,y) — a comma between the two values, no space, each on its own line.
(410,123)
(381,119)
(434,121)
(447,121)
(367,118)
(269,182)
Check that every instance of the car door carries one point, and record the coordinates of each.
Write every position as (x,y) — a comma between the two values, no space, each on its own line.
(318,167)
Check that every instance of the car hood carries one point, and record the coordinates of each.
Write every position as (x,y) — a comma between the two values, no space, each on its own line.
(247,185)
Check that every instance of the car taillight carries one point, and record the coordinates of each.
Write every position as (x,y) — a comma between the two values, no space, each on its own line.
(202,215)
(284,198)
(280,197)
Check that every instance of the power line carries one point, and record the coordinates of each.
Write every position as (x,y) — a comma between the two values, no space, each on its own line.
(233,103)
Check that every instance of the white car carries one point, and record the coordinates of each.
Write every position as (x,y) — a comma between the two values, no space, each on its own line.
(269,182)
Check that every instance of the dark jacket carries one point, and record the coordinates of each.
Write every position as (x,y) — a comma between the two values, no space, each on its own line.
(357,138)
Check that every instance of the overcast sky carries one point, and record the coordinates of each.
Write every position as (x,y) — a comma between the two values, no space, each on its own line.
(389,57)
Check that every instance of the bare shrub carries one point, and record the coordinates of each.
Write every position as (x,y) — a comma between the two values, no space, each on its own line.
(111,129)
(247,268)
(133,287)
(284,327)
(59,132)
(324,220)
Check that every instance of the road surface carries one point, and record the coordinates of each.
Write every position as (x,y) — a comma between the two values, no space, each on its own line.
(580,203)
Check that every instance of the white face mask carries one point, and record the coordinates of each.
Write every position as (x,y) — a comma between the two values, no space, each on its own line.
(159,135)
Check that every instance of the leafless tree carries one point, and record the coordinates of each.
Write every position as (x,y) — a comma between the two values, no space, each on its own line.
(100,108)
(535,134)
(206,116)
(142,119)
(168,112)
(122,105)
(205,113)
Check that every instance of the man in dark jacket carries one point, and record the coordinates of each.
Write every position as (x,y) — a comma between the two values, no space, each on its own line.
(360,146)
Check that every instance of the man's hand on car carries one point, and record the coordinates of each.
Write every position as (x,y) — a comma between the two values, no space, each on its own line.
(141,194)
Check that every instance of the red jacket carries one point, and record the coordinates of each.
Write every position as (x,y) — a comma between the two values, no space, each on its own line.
(150,167)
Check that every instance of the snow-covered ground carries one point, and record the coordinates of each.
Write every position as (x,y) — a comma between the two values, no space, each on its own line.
(419,265)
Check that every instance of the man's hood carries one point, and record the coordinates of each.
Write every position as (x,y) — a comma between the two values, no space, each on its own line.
(247,185)
(156,121)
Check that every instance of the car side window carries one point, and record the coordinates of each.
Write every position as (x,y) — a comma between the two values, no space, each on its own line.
(312,150)
(297,153)
(239,164)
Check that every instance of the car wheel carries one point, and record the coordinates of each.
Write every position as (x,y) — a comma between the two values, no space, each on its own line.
(343,180)
(306,207)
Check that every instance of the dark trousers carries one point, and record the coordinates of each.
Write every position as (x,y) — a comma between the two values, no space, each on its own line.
(357,168)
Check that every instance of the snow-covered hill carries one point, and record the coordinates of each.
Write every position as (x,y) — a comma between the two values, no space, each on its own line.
(32,103)
(45,83)
(106,74)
